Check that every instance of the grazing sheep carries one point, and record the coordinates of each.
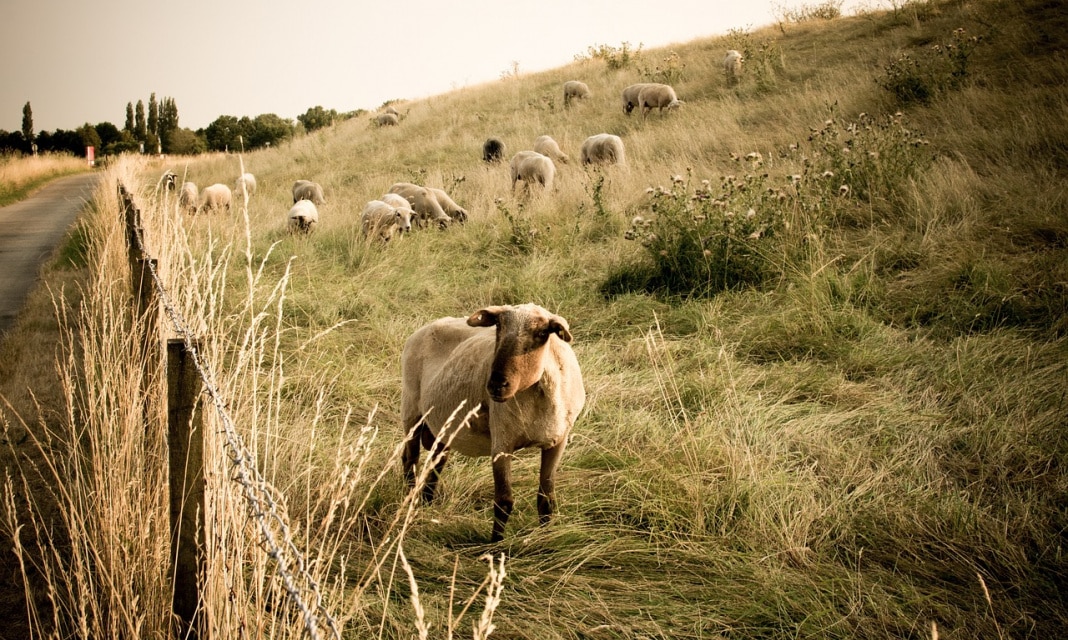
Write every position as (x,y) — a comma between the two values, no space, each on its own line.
(188,197)
(308,190)
(215,198)
(575,90)
(449,206)
(659,97)
(603,148)
(387,120)
(169,180)
(546,146)
(732,66)
(245,184)
(492,150)
(521,381)
(630,96)
(381,220)
(391,109)
(424,203)
(531,167)
(303,217)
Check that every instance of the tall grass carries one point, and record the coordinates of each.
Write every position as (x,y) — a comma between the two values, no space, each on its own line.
(865,441)
(19,175)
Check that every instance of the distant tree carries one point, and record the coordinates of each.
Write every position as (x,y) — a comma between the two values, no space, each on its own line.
(141,130)
(267,129)
(11,141)
(317,118)
(125,144)
(60,141)
(168,122)
(129,118)
(89,137)
(153,114)
(27,123)
(108,133)
(222,134)
(185,142)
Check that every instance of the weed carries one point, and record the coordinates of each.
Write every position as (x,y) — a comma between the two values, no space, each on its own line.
(620,57)
(668,71)
(936,70)
(524,233)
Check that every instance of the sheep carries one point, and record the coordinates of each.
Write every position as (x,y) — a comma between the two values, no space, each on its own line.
(424,203)
(630,96)
(659,97)
(449,206)
(546,146)
(387,120)
(245,185)
(308,190)
(531,167)
(573,89)
(732,66)
(493,150)
(188,197)
(303,217)
(215,198)
(391,109)
(520,383)
(603,148)
(381,220)
(169,180)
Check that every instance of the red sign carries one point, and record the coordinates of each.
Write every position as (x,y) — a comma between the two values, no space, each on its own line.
(90,155)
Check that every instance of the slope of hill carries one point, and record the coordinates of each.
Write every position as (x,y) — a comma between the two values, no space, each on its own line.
(820,314)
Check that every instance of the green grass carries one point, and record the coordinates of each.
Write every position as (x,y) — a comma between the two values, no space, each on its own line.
(865,442)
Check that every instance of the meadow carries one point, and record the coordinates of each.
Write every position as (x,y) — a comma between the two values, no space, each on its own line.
(821,317)
(20,176)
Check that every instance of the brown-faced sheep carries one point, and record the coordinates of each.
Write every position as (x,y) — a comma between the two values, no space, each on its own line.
(245,184)
(603,148)
(659,97)
(546,146)
(732,66)
(308,190)
(382,221)
(303,216)
(217,197)
(424,203)
(575,90)
(493,150)
(188,196)
(521,381)
(532,168)
(630,96)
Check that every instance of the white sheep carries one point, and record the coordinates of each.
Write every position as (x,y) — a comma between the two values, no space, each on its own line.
(215,198)
(303,217)
(245,184)
(575,90)
(546,146)
(449,206)
(382,221)
(391,109)
(630,96)
(520,381)
(387,120)
(308,190)
(659,97)
(532,167)
(188,197)
(732,66)
(603,148)
(424,203)
(493,150)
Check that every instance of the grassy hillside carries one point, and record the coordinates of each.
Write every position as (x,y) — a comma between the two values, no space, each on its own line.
(826,368)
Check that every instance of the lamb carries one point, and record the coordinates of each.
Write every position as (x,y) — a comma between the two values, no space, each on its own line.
(449,206)
(603,148)
(245,185)
(531,167)
(215,198)
(424,203)
(630,96)
(188,196)
(546,146)
(303,217)
(521,384)
(387,120)
(382,221)
(575,90)
(659,97)
(492,150)
(308,190)
(732,66)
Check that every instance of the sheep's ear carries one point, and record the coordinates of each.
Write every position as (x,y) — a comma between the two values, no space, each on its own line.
(559,326)
(485,317)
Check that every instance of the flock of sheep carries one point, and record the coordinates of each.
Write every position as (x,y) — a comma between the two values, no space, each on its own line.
(504,378)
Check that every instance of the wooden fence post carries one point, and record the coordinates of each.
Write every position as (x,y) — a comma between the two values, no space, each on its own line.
(185,439)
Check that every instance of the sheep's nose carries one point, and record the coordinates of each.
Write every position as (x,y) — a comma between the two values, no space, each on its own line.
(498,388)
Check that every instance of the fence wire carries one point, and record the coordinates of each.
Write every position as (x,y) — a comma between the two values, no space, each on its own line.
(262,505)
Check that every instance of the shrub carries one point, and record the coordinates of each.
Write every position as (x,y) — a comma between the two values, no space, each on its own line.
(938,69)
(668,71)
(614,57)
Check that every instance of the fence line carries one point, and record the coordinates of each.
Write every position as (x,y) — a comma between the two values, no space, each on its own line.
(261,503)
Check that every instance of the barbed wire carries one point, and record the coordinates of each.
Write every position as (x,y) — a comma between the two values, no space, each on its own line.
(262,504)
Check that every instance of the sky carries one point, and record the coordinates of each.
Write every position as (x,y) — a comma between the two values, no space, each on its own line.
(79,61)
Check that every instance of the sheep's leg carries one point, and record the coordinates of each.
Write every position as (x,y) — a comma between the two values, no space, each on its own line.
(550,460)
(502,493)
(410,454)
(438,456)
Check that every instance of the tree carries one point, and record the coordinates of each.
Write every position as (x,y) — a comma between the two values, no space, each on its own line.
(266,130)
(222,134)
(317,118)
(185,142)
(89,136)
(129,118)
(109,134)
(141,131)
(168,122)
(27,123)
(153,114)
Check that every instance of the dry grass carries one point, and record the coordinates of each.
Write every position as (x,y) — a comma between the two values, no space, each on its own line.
(19,175)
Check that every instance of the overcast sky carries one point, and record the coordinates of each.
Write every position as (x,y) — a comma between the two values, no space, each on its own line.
(79,61)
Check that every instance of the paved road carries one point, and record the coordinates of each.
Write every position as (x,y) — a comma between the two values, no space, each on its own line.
(30,231)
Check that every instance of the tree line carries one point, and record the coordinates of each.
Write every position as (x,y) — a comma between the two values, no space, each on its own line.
(155,130)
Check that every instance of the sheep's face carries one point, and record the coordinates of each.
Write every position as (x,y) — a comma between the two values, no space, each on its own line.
(404,219)
(522,334)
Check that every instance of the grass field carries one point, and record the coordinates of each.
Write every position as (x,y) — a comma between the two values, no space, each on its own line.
(825,369)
